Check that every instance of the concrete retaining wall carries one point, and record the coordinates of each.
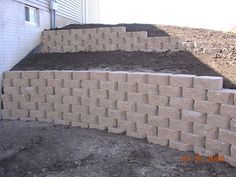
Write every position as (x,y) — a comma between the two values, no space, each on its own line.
(105,39)
(184,112)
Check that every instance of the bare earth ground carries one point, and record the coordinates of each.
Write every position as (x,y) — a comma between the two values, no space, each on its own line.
(32,149)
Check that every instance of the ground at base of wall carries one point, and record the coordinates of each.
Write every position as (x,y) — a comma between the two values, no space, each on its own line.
(44,150)
(179,63)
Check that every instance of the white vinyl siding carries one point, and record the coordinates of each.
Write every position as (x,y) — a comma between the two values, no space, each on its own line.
(72,9)
(92,11)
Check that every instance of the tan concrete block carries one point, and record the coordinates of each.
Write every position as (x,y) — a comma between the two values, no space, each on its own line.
(138,77)
(21,82)
(195,140)
(45,106)
(97,111)
(224,96)
(181,103)
(107,103)
(89,84)
(116,114)
(107,122)
(135,134)
(74,117)
(158,121)
(5,114)
(54,98)
(7,82)
(28,106)
(136,117)
(46,90)
(146,129)
(80,109)
(180,146)
(30,75)
(117,76)
(47,75)
(166,133)
(19,113)
(54,82)
(182,80)
(116,95)
(89,101)
(148,89)
(6,98)
(80,75)
(158,100)
(208,82)
(38,82)
(11,90)
(54,115)
(28,90)
(10,105)
(137,97)
(61,107)
(37,114)
(233,125)
(147,109)
(233,151)
(230,160)
(62,122)
(70,100)
(80,124)
(205,130)
(99,75)
(125,106)
(12,75)
(206,107)
(196,94)
(97,93)
(127,126)
(90,119)
(180,125)
(63,91)
(234,99)
(63,75)
(192,116)
(71,84)
(169,91)
(20,98)
(172,113)
(158,78)
(228,111)
(227,136)
(200,151)
(78,92)
(127,87)
(217,147)
(27,119)
(218,121)
(157,140)
(108,85)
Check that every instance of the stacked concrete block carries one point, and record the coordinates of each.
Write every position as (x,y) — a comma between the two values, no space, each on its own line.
(184,112)
(106,39)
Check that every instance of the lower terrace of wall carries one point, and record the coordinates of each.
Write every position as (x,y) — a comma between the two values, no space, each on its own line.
(184,112)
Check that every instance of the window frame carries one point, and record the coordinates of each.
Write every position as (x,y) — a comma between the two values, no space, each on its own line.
(36,15)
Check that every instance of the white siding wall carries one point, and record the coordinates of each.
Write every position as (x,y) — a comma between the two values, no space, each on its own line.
(92,11)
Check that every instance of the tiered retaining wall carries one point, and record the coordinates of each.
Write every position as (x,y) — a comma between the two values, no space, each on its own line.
(184,112)
(105,39)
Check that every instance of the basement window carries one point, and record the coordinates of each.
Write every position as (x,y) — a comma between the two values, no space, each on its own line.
(31,15)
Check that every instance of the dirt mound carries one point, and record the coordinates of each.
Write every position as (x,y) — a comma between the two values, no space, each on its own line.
(178,62)
(152,30)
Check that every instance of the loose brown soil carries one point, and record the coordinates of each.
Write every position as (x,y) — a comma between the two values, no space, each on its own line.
(32,149)
(178,62)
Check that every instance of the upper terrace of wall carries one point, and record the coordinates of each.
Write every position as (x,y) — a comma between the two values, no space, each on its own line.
(106,39)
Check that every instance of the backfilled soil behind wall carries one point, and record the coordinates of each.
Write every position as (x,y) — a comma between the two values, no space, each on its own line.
(179,63)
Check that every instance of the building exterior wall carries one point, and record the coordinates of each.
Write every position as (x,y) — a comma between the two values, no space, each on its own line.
(184,112)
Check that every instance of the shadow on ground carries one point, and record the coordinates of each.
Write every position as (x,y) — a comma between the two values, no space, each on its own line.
(42,150)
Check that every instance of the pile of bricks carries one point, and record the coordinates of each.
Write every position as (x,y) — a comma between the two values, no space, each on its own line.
(184,112)
(105,39)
